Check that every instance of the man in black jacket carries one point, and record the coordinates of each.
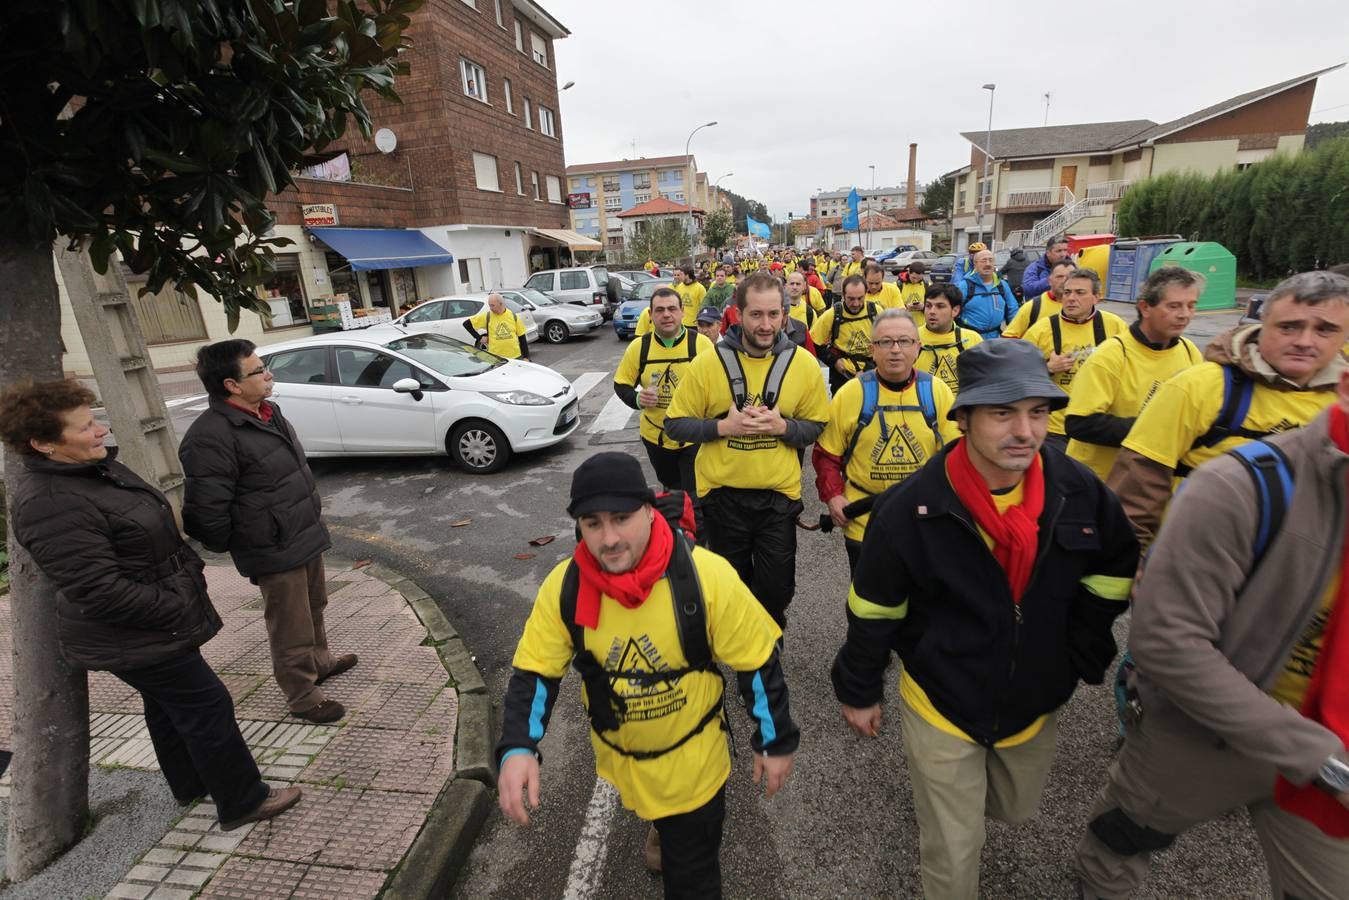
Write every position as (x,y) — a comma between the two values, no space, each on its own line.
(994,645)
(250,492)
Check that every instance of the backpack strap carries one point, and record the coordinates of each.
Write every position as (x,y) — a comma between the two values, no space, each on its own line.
(692,336)
(1035,310)
(735,373)
(871,394)
(835,325)
(960,341)
(777,373)
(1238,388)
(1056,329)
(644,354)
(1097,328)
(1270,470)
(927,403)
(690,611)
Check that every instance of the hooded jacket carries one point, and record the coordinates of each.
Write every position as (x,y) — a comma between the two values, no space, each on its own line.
(1210,636)
(1143,477)
(1014,269)
(987,307)
(130,592)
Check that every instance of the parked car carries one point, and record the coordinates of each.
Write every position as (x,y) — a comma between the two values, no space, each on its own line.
(942,267)
(582,285)
(384,392)
(902,259)
(556,320)
(447,315)
(888,255)
(627,314)
(637,276)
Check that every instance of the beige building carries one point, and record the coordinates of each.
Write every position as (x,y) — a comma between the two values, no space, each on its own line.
(1069,178)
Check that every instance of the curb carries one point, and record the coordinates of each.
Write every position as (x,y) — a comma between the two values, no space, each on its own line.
(439,852)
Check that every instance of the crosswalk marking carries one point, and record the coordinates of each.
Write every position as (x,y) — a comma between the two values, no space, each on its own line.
(614,417)
(587,863)
(586,381)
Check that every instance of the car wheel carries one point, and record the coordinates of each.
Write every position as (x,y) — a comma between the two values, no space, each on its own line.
(478,447)
(555,332)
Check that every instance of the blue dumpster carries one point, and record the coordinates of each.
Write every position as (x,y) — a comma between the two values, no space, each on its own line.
(1130,263)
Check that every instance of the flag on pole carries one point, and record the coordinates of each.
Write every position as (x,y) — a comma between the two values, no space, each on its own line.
(850,216)
(756,228)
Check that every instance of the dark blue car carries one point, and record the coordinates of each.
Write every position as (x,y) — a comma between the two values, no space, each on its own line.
(629,311)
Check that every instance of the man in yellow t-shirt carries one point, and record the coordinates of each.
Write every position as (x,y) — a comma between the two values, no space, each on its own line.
(752,405)
(1043,306)
(503,333)
(842,334)
(854,266)
(653,696)
(951,558)
(1068,338)
(941,339)
(884,294)
(651,368)
(881,433)
(1258,380)
(801,309)
(691,293)
(1113,385)
(913,291)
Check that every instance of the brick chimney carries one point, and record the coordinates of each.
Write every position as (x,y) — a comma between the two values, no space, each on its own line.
(913,177)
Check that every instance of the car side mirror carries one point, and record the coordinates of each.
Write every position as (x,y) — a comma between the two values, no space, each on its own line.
(408,386)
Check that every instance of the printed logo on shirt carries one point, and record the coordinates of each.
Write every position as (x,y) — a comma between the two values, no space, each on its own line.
(504,331)
(858,344)
(897,456)
(1282,426)
(944,367)
(753,442)
(664,385)
(644,701)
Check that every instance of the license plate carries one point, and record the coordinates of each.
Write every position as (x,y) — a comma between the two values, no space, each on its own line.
(569,416)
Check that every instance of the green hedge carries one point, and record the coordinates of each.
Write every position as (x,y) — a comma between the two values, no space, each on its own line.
(1283,215)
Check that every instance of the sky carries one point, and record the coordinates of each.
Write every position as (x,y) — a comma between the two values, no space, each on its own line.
(807,95)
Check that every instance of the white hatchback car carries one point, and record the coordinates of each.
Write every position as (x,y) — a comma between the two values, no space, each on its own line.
(447,315)
(385,392)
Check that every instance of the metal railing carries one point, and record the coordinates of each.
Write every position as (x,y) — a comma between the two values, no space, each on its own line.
(1049,196)
(1107,191)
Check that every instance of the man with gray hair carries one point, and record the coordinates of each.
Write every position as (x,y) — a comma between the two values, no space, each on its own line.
(989,301)
(503,332)
(1259,380)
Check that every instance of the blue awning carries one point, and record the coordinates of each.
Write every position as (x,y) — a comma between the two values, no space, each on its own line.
(383,248)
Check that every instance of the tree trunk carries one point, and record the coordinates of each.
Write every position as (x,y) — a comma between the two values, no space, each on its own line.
(49,800)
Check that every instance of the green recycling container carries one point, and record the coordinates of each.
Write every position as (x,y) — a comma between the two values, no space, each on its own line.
(1212,260)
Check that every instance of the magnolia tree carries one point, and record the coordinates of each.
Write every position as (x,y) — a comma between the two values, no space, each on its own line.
(154,129)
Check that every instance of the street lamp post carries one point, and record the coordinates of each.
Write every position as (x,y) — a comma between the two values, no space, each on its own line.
(688,193)
(869,198)
(986,189)
(715,192)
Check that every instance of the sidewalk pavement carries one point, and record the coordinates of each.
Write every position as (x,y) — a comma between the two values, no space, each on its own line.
(402,779)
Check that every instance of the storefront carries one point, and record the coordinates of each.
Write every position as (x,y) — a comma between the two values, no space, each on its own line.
(375,269)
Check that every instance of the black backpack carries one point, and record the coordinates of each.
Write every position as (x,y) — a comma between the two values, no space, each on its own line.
(1056,330)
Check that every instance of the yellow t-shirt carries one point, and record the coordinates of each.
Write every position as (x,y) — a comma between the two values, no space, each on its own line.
(1119,379)
(1296,677)
(893,445)
(643,323)
(503,332)
(1184,407)
(761,462)
(691,295)
(851,268)
(854,334)
(1021,322)
(888,297)
(665,366)
(740,635)
(1079,342)
(916,698)
(912,295)
(939,353)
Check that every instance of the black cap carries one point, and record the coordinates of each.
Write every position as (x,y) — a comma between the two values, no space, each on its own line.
(608,482)
(707,315)
(1002,371)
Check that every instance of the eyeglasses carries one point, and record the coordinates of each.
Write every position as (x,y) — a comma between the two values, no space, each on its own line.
(891,343)
(259,371)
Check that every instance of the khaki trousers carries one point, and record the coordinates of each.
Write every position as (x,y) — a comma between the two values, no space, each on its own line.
(1167,779)
(956,784)
(293,603)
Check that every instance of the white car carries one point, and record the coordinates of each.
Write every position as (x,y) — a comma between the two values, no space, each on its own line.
(383,392)
(447,315)
(556,320)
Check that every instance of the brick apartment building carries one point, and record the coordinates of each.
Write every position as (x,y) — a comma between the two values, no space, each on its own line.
(465,183)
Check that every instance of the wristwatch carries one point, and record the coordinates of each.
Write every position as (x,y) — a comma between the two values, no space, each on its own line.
(1333,778)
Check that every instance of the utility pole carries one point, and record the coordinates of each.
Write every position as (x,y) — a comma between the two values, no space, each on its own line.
(986,189)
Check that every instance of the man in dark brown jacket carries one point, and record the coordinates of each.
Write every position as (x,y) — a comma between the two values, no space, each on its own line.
(1227,656)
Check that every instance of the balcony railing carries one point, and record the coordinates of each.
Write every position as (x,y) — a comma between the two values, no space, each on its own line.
(1039,197)
(1106,191)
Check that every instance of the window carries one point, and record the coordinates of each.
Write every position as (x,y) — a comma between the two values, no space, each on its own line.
(574,281)
(641,196)
(485,170)
(529,115)
(372,369)
(611,185)
(534,182)
(519,37)
(554,189)
(501,19)
(510,98)
(642,181)
(169,315)
(540,48)
(543,281)
(472,4)
(284,293)
(427,312)
(475,80)
(309,366)
(546,123)
(613,204)
(519,180)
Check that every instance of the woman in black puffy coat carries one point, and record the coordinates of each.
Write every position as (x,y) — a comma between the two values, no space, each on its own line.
(131,595)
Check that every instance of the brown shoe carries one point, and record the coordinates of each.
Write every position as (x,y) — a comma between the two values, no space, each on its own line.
(652,850)
(340,665)
(327,711)
(278,801)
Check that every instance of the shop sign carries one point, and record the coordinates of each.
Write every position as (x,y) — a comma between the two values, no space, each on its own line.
(579,201)
(318,215)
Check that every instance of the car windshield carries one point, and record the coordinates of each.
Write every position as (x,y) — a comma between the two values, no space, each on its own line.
(947,260)
(445,355)
(601,274)
(644,290)
(538,298)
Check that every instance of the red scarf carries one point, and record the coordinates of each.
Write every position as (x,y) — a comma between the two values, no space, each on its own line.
(1015,533)
(1327,699)
(629,588)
